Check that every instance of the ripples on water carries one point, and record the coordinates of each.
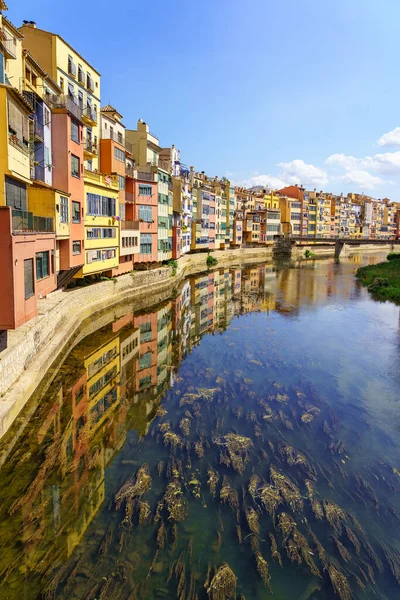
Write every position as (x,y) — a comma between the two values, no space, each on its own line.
(238,439)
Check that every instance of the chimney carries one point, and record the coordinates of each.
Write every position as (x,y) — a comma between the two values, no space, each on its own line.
(31,24)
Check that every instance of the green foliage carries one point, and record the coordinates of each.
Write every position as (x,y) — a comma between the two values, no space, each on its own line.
(174,266)
(393,256)
(308,254)
(211,261)
(132,273)
(382,279)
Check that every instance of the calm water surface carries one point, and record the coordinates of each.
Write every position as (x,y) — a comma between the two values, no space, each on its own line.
(242,438)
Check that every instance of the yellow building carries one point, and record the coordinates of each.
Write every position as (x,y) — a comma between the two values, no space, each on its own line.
(79,81)
(75,76)
(101,224)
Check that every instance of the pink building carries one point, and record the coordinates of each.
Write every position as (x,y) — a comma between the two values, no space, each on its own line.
(141,204)
(27,255)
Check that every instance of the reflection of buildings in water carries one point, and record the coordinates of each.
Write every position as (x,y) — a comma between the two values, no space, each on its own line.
(113,382)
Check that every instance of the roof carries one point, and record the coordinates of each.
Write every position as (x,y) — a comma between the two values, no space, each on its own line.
(113,111)
(43,73)
(15,31)
(65,42)
(19,97)
(3,5)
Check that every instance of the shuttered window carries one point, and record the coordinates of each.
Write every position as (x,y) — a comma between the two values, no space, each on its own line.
(42,265)
(28,278)
(16,194)
(18,123)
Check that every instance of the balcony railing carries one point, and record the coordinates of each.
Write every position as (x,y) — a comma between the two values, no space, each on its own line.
(17,143)
(38,173)
(38,129)
(23,220)
(145,176)
(90,146)
(67,102)
(9,45)
(90,113)
(132,225)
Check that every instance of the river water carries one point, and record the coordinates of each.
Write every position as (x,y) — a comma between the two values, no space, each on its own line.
(240,438)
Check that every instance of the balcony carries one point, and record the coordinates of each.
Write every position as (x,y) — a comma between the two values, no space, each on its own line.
(65,102)
(129,171)
(38,130)
(100,179)
(129,197)
(17,143)
(90,148)
(24,221)
(131,225)
(89,116)
(145,176)
(8,45)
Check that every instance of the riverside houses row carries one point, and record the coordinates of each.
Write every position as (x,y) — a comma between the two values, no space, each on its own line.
(83,196)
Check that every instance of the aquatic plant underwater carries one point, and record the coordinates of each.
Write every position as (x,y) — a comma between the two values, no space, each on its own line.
(242,487)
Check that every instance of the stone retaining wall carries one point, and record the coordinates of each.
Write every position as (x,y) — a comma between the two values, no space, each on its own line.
(35,346)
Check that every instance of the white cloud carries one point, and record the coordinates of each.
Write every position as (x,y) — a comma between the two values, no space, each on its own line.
(392,138)
(386,163)
(363,180)
(266,181)
(294,172)
(297,171)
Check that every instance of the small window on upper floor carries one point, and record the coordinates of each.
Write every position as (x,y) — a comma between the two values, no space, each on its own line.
(62,83)
(34,79)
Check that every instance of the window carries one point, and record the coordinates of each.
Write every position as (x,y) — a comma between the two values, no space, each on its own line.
(145,213)
(80,99)
(100,205)
(64,210)
(145,243)
(162,198)
(145,382)
(28,278)
(74,131)
(71,90)
(76,247)
(163,222)
(145,190)
(16,194)
(120,140)
(89,165)
(81,74)
(93,256)
(42,265)
(76,212)
(121,182)
(75,166)
(71,66)
(119,154)
(145,361)
(62,83)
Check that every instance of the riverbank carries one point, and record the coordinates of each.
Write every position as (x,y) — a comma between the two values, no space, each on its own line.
(383,280)
(35,347)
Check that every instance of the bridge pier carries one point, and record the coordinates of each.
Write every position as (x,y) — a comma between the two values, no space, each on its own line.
(340,248)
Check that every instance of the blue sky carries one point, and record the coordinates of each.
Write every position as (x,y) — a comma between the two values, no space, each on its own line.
(261,91)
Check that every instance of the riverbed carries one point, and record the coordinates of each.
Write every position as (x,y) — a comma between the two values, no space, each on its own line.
(242,434)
